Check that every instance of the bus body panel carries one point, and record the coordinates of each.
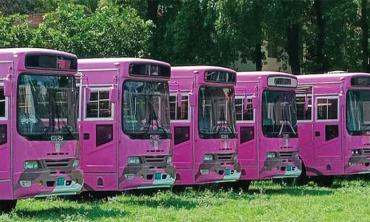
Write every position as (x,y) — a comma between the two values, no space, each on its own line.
(254,146)
(57,158)
(327,147)
(105,156)
(189,148)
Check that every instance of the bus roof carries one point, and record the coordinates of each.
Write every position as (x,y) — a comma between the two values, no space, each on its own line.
(113,62)
(8,51)
(200,68)
(329,77)
(254,74)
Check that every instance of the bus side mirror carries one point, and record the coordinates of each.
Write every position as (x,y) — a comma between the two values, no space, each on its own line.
(88,94)
(7,86)
(179,99)
(113,95)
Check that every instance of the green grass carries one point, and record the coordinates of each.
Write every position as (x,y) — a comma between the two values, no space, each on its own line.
(347,201)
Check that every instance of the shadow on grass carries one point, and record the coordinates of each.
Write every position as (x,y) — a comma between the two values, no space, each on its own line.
(292,191)
(170,201)
(91,213)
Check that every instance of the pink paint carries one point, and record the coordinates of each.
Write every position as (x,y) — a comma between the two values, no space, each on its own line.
(334,128)
(203,124)
(266,124)
(125,126)
(38,124)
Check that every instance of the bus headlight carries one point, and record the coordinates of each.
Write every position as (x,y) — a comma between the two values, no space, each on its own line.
(75,163)
(169,160)
(356,152)
(133,160)
(31,165)
(271,155)
(208,157)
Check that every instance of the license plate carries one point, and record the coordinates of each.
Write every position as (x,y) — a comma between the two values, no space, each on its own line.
(289,168)
(157,176)
(227,172)
(60,181)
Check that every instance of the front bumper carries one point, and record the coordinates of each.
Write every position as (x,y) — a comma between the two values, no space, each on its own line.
(146,177)
(358,164)
(48,183)
(217,172)
(282,167)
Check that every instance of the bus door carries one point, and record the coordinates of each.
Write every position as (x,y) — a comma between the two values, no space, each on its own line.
(246,119)
(181,128)
(98,142)
(327,134)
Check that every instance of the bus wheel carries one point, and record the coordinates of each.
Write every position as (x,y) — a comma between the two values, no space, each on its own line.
(324,181)
(7,206)
(240,185)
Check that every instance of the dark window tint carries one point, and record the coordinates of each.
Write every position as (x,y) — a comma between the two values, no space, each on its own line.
(179,113)
(243,113)
(3,134)
(99,105)
(51,62)
(2,102)
(327,109)
(147,69)
(331,132)
(181,134)
(246,134)
(104,134)
(304,107)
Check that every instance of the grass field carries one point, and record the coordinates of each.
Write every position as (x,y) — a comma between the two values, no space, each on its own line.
(347,201)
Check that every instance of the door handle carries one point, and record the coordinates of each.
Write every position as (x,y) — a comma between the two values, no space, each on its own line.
(317,133)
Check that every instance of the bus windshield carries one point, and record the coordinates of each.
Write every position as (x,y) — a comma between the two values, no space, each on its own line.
(46,107)
(146,109)
(358,115)
(279,114)
(216,112)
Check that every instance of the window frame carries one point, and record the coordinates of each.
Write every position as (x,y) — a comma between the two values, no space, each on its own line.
(96,88)
(311,116)
(189,107)
(317,107)
(6,114)
(254,109)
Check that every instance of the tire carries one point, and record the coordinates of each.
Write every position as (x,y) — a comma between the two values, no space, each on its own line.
(238,185)
(7,206)
(324,181)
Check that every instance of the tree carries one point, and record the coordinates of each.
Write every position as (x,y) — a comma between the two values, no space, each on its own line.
(106,33)
(364,24)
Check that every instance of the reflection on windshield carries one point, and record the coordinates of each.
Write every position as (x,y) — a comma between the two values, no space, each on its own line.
(279,114)
(146,109)
(46,106)
(358,112)
(216,112)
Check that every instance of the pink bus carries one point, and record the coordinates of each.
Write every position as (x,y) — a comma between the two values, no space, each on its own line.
(38,125)
(203,124)
(334,124)
(125,124)
(266,121)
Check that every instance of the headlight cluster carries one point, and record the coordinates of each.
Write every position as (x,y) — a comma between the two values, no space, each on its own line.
(271,155)
(31,165)
(133,160)
(75,163)
(208,157)
(356,152)
(169,160)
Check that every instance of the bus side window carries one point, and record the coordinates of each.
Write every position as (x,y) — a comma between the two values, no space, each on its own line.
(99,105)
(327,108)
(179,113)
(244,113)
(2,103)
(304,108)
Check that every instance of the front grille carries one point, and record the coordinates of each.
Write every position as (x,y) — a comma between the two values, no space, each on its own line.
(366,151)
(154,159)
(286,154)
(224,156)
(57,164)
